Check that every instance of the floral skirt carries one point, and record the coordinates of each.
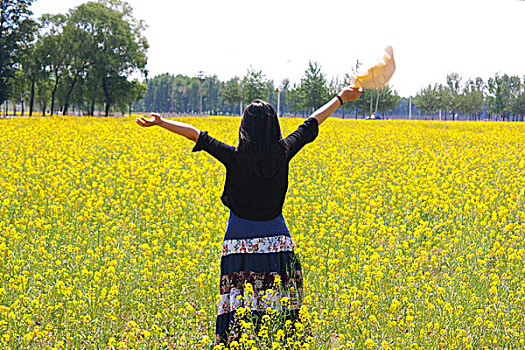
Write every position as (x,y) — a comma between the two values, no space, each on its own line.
(259,271)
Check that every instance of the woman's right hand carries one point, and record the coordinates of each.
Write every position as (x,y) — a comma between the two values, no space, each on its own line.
(154,120)
(350,93)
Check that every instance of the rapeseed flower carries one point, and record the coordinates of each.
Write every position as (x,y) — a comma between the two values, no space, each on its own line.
(410,234)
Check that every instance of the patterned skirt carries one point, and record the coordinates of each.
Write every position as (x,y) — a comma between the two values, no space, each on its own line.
(259,271)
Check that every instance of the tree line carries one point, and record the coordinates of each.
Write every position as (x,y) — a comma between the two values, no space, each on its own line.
(168,93)
(500,97)
(83,58)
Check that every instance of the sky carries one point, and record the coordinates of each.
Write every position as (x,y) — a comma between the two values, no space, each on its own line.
(475,38)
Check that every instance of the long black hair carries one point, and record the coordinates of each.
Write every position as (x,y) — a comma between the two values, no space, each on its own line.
(260,140)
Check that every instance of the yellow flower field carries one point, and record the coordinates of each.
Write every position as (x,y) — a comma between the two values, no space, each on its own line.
(411,235)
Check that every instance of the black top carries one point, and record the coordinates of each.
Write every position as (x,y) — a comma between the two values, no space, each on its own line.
(248,196)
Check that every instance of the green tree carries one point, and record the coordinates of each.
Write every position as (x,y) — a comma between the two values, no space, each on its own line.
(518,106)
(90,53)
(18,90)
(502,90)
(104,35)
(193,95)
(180,93)
(232,92)
(149,95)
(388,99)
(134,92)
(516,89)
(120,48)
(43,89)
(254,86)
(270,91)
(54,51)
(427,99)
(285,96)
(78,39)
(443,99)
(296,99)
(314,89)
(162,87)
(16,31)
(89,92)
(471,101)
(454,90)
(212,91)
(33,68)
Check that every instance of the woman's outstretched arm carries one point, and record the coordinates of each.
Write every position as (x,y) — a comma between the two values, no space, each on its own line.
(347,94)
(183,129)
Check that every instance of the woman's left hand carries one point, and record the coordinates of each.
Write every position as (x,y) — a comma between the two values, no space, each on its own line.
(154,120)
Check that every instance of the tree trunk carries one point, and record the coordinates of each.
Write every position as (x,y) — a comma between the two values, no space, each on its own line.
(377,100)
(32,100)
(68,95)
(53,97)
(92,109)
(106,95)
(43,110)
(371,101)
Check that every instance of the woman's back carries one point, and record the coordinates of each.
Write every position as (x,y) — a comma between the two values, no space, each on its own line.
(254,197)
(248,193)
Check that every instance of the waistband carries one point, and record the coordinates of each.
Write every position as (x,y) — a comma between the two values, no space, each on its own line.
(239,228)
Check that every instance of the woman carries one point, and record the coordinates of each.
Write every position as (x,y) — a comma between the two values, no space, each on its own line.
(259,268)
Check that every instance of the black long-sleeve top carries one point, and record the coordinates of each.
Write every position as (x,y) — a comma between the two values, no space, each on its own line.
(246,195)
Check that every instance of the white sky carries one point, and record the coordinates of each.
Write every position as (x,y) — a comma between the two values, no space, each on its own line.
(430,38)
